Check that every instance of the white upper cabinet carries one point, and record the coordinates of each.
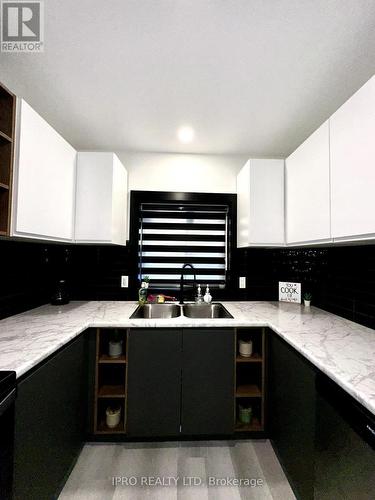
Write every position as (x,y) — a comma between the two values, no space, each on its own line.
(260,203)
(352,132)
(44,179)
(101,199)
(308,190)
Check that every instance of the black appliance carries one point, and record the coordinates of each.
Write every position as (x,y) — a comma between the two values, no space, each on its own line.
(60,296)
(7,400)
(345,447)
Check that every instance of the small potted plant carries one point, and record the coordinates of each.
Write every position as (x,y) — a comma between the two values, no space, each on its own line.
(245,414)
(112,416)
(115,345)
(143,291)
(307,299)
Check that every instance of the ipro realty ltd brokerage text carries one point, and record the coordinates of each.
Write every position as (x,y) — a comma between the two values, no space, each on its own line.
(170,481)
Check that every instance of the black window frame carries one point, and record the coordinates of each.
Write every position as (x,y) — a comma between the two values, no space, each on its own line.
(137,198)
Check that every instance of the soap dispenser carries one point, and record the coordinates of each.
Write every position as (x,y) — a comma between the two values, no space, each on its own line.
(207,297)
(199,297)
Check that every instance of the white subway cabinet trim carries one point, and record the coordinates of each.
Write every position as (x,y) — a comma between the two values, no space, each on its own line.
(101,199)
(352,132)
(260,203)
(44,179)
(308,191)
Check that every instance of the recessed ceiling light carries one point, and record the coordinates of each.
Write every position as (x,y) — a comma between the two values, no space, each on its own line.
(185,134)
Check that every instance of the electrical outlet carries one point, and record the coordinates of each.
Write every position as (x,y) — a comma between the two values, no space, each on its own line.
(243,282)
(124,281)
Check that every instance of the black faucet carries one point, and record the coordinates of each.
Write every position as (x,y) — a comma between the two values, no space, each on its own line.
(182,281)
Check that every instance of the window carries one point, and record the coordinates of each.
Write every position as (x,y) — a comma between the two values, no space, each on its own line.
(172,234)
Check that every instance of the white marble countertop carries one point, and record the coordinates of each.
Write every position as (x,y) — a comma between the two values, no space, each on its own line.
(343,350)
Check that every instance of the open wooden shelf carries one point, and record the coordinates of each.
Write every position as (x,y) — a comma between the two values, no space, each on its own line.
(254,426)
(4,211)
(5,137)
(255,358)
(250,380)
(248,391)
(110,381)
(103,429)
(7,130)
(105,359)
(111,391)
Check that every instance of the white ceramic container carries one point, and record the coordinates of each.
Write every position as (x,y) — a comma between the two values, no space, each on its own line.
(245,348)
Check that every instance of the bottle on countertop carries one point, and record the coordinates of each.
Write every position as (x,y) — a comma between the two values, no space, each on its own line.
(207,296)
(143,291)
(60,295)
(199,297)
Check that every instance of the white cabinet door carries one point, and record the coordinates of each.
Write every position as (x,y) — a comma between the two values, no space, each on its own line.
(119,202)
(101,199)
(308,190)
(260,199)
(243,206)
(352,133)
(44,179)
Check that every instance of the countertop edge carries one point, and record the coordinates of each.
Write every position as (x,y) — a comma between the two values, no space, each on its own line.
(102,322)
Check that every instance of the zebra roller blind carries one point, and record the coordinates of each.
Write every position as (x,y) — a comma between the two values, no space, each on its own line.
(171,235)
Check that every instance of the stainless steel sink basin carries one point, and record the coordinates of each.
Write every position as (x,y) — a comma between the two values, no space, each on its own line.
(206,311)
(154,311)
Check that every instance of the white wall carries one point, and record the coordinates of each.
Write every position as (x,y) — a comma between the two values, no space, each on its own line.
(182,172)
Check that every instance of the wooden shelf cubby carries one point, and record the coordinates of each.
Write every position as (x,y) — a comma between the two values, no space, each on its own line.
(7,131)
(248,391)
(255,426)
(111,391)
(105,359)
(250,380)
(255,358)
(110,380)
(101,426)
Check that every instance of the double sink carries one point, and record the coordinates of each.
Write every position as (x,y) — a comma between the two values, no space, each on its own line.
(168,311)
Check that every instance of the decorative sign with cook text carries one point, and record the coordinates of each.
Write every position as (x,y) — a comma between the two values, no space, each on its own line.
(289,292)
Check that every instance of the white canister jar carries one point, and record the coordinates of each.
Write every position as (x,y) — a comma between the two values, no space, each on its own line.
(115,348)
(245,348)
(112,417)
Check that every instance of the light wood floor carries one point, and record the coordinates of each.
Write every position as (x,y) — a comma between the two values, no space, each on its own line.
(99,465)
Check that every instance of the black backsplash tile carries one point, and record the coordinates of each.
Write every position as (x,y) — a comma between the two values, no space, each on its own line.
(30,270)
(96,273)
(341,279)
(28,274)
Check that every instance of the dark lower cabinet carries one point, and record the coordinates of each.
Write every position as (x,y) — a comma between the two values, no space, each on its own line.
(154,382)
(180,382)
(345,445)
(292,401)
(207,399)
(324,439)
(49,423)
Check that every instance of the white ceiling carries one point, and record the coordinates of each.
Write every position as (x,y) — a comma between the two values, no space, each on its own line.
(251,76)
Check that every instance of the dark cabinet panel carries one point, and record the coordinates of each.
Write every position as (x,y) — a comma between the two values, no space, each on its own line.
(208,381)
(180,378)
(91,364)
(154,382)
(49,423)
(345,445)
(292,414)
